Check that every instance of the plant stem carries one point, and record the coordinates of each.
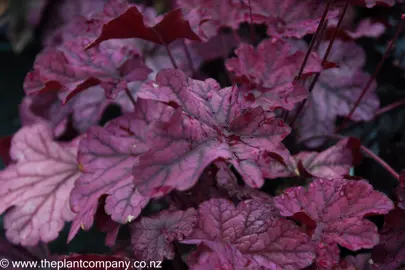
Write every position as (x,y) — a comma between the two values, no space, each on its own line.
(321,35)
(167,50)
(314,38)
(252,27)
(188,55)
(131,98)
(380,161)
(325,58)
(236,36)
(373,77)
(389,107)
(171,56)
(335,33)
(363,148)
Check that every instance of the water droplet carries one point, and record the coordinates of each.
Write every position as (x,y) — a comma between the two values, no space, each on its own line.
(282,197)
(134,145)
(155,85)
(342,193)
(321,181)
(130,218)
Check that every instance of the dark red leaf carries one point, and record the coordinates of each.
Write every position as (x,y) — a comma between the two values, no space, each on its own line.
(5,145)
(161,33)
(390,252)
(105,224)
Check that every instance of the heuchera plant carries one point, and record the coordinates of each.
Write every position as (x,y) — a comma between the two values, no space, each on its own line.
(241,165)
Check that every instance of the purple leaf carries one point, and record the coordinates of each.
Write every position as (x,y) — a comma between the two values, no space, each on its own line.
(254,230)
(71,70)
(152,237)
(182,149)
(212,15)
(334,162)
(172,85)
(217,256)
(272,69)
(338,207)
(336,93)
(86,108)
(38,186)
(106,156)
(271,64)
(372,3)
(289,18)
(365,28)
(69,18)
(210,124)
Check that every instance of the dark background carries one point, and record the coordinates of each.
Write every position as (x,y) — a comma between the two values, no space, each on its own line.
(384,135)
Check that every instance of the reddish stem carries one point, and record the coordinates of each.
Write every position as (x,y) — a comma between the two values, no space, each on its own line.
(381,111)
(373,77)
(365,150)
(335,33)
(171,56)
(236,36)
(314,38)
(167,49)
(389,107)
(188,55)
(131,98)
(325,58)
(321,34)
(252,27)
(380,161)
